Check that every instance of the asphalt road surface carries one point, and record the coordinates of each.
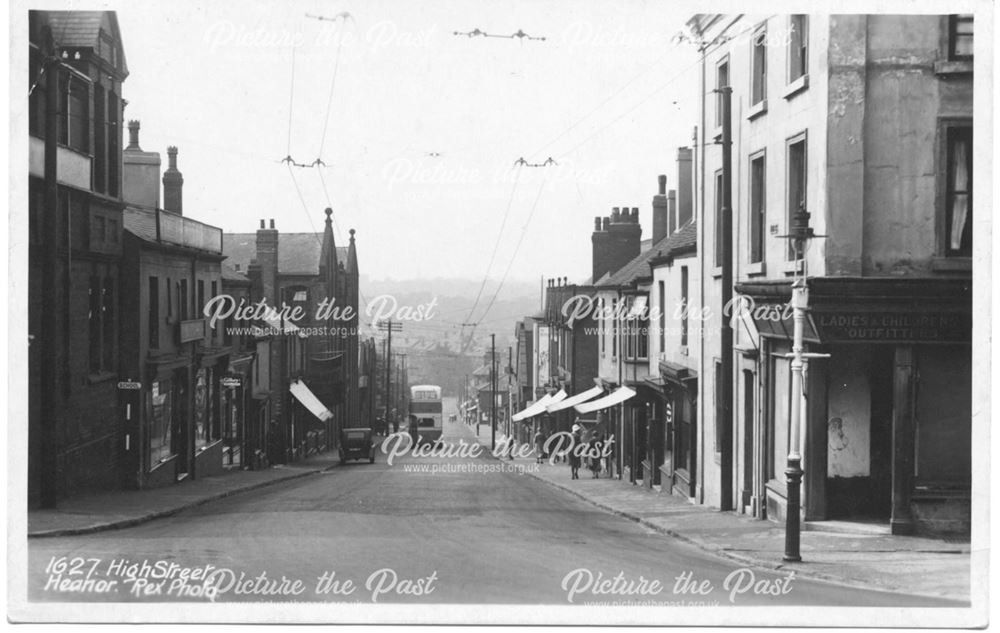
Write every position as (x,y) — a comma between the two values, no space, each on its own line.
(392,535)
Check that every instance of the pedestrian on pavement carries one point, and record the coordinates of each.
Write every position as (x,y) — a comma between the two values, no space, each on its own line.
(539,441)
(609,451)
(414,436)
(595,446)
(574,453)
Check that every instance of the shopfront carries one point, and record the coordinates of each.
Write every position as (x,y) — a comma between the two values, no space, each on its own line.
(887,435)
(679,389)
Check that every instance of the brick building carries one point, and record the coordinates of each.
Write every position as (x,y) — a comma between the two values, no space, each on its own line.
(303,270)
(77,69)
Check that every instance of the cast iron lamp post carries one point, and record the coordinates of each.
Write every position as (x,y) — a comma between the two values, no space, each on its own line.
(800,235)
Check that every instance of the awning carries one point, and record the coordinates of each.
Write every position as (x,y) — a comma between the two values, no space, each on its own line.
(309,400)
(583,396)
(539,406)
(620,395)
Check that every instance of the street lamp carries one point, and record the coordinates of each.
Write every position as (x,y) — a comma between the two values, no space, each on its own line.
(800,235)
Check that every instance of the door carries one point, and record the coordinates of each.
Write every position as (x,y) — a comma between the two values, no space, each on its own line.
(746,490)
(180,436)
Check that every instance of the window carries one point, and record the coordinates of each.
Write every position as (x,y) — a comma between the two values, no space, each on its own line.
(100,137)
(798,47)
(684,305)
(958,198)
(718,217)
(98,232)
(114,135)
(160,421)
(112,231)
(960,42)
(94,318)
(182,299)
(721,81)
(758,59)
(758,212)
(642,337)
(614,329)
(201,299)
(108,324)
(662,307)
(36,95)
(796,183)
(154,312)
(75,131)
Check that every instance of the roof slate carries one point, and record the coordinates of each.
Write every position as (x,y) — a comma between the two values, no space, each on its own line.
(298,253)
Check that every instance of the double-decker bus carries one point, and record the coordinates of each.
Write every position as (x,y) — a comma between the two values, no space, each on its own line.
(425,406)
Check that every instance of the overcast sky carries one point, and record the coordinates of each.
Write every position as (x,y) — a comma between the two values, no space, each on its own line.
(424,126)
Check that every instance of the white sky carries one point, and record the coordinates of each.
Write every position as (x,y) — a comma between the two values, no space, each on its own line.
(214,78)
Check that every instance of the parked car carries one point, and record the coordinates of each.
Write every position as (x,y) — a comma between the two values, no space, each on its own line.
(357,444)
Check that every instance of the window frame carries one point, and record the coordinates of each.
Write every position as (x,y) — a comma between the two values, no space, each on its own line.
(953,21)
(722,62)
(946,127)
(719,185)
(758,41)
(802,51)
(790,142)
(761,213)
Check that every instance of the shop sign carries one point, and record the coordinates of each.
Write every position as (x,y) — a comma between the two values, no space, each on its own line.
(892,327)
(230,382)
(129,384)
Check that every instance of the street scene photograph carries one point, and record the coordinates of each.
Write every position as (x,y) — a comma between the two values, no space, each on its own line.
(518,312)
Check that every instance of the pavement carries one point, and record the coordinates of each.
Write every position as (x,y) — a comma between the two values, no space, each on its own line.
(88,513)
(832,551)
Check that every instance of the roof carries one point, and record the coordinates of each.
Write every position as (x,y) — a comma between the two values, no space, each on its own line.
(298,253)
(679,241)
(229,273)
(82,29)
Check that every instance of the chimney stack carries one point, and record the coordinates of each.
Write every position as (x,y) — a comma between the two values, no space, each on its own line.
(618,243)
(140,172)
(661,214)
(173,183)
(267,260)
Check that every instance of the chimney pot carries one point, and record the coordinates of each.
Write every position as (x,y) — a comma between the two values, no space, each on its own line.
(635,215)
(606,222)
(662,178)
(262,224)
(597,223)
(272,223)
(173,183)
(615,214)
(133,134)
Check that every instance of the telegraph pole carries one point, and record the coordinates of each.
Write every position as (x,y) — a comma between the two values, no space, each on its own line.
(724,410)
(389,327)
(493,391)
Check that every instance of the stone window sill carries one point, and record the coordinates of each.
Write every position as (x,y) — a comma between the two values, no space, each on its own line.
(792,267)
(957,67)
(952,264)
(756,269)
(795,87)
(757,109)
(717,272)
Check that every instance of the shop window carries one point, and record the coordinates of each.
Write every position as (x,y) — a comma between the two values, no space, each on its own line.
(798,47)
(780,408)
(201,404)
(758,60)
(960,37)
(958,196)
(758,213)
(160,421)
(153,315)
(796,183)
